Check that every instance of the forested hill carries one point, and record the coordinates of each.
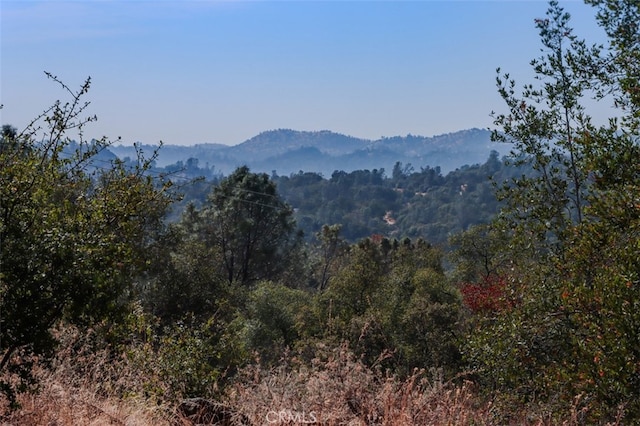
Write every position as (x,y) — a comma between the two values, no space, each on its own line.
(401,202)
(290,151)
(411,203)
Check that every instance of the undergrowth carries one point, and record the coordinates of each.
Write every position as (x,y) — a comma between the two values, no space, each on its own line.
(85,386)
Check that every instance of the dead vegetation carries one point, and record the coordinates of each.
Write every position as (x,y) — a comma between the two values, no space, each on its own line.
(338,389)
(83,387)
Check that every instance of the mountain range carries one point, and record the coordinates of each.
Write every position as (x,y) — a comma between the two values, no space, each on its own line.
(286,151)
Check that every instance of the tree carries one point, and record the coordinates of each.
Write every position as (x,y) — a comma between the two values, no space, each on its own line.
(8,138)
(252,227)
(391,301)
(274,320)
(571,332)
(601,293)
(619,74)
(73,233)
(545,125)
(332,247)
(478,253)
(183,280)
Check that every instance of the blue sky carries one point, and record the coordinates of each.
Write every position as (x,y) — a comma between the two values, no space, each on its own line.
(188,72)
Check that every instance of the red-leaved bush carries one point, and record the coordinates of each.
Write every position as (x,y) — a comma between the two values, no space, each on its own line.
(486,296)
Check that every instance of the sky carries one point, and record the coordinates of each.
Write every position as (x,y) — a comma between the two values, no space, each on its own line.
(187,72)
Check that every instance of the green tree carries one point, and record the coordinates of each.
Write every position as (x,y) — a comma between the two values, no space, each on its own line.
(572,329)
(73,233)
(618,75)
(390,299)
(545,125)
(185,279)
(479,253)
(251,226)
(274,319)
(211,275)
(601,292)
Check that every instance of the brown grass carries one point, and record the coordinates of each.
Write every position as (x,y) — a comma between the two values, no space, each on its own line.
(85,387)
(57,403)
(338,389)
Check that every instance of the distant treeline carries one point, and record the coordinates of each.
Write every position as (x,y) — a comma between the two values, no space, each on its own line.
(406,202)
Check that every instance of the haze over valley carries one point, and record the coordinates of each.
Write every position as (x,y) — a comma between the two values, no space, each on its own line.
(285,151)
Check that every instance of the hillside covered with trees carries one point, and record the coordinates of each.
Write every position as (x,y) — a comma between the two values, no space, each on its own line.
(407,203)
(359,298)
(286,151)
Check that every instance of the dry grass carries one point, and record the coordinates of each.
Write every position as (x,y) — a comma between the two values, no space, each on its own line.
(60,404)
(337,389)
(85,387)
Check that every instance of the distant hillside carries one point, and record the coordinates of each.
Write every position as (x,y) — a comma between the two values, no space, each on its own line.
(289,151)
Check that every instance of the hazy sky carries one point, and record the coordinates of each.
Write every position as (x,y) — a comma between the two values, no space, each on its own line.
(188,72)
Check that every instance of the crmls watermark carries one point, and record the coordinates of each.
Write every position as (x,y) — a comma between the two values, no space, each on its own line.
(289,416)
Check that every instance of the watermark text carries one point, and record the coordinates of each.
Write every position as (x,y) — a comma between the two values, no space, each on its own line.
(290,416)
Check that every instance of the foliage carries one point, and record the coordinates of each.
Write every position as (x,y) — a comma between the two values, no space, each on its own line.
(487,297)
(602,292)
(545,125)
(418,204)
(250,225)
(211,274)
(274,320)
(392,299)
(73,231)
(571,333)
(185,358)
(479,253)
(619,75)
(185,278)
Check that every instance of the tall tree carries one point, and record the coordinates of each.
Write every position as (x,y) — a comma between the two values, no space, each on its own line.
(252,227)
(602,289)
(571,333)
(545,124)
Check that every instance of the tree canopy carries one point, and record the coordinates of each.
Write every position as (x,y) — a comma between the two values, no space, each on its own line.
(565,319)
